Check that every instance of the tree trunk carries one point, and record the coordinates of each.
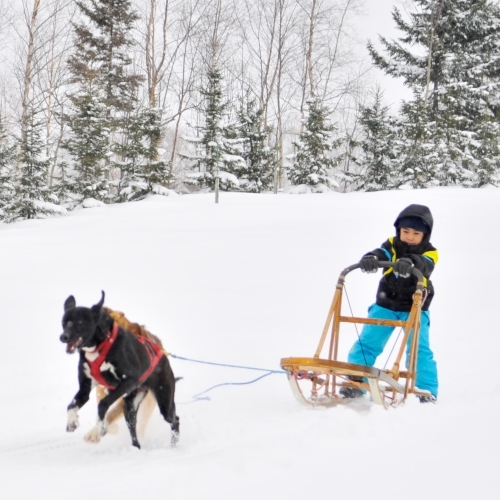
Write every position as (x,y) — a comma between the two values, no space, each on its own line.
(28,72)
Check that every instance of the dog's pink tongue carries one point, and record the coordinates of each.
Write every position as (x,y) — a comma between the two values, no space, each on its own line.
(70,348)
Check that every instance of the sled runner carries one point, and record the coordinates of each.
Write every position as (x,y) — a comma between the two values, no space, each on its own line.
(315,381)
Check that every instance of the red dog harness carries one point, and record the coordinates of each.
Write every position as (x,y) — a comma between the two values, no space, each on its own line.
(154,351)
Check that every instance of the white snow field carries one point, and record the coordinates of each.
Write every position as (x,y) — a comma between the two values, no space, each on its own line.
(247,282)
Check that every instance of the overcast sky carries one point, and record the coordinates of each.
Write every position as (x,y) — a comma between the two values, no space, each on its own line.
(378,21)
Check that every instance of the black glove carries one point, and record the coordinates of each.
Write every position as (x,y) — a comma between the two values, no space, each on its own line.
(369,264)
(402,267)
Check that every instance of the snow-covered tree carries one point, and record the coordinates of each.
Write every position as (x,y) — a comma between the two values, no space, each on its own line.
(314,160)
(8,157)
(213,155)
(257,173)
(448,57)
(88,144)
(378,155)
(103,43)
(105,99)
(417,154)
(143,170)
(32,198)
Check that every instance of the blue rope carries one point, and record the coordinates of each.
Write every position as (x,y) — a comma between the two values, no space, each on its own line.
(229,366)
(197,397)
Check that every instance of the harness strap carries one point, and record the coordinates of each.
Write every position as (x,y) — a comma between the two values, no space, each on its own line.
(154,352)
(103,349)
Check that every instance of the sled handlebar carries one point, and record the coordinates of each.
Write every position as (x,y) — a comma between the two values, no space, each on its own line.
(383,263)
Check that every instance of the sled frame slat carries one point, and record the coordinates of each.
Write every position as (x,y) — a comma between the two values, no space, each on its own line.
(329,373)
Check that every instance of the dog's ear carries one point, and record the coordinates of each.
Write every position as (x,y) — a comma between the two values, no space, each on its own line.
(97,307)
(69,303)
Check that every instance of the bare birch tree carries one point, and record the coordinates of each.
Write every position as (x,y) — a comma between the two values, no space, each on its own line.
(52,75)
(31,17)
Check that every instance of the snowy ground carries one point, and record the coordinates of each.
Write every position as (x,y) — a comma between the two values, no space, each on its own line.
(247,282)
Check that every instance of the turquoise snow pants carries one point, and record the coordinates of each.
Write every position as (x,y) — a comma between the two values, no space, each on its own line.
(373,339)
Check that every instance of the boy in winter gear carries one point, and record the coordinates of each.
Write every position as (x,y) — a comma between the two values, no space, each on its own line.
(410,248)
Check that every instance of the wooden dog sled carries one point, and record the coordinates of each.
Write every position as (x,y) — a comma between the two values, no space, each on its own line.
(315,381)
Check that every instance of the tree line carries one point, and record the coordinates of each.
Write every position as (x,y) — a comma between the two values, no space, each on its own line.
(106,101)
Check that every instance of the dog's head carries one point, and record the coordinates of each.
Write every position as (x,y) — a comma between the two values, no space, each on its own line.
(79,324)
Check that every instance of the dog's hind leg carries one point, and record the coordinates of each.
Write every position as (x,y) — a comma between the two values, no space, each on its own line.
(145,411)
(114,413)
(165,398)
(130,407)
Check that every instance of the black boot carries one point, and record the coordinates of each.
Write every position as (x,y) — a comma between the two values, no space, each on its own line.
(351,392)
(427,399)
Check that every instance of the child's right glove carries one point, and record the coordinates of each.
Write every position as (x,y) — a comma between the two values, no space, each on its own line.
(402,267)
(369,264)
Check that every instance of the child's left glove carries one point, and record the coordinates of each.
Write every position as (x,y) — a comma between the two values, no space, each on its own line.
(402,267)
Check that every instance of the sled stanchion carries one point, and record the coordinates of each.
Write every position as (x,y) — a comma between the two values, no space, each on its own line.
(327,325)
(328,374)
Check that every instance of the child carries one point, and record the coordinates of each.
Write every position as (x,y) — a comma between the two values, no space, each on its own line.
(409,248)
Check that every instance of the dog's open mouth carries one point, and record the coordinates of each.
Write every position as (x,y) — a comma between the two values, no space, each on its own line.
(71,347)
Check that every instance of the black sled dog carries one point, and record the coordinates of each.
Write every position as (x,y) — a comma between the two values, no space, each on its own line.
(115,358)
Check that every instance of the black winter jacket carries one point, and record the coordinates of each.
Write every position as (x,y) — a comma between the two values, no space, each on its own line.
(396,293)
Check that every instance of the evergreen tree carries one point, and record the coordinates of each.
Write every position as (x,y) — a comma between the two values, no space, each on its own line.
(103,42)
(417,153)
(8,157)
(64,187)
(313,160)
(256,174)
(486,153)
(106,96)
(378,159)
(143,171)
(32,198)
(213,157)
(448,57)
(88,144)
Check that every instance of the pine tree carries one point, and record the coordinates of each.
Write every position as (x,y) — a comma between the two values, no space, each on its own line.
(486,152)
(63,187)
(313,160)
(32,198)
(103,42)
(213,157)
(88,144)
(257,173)
(8,157)
(378,158)
(143,171)
(417,153)
(448,57)
(106,96)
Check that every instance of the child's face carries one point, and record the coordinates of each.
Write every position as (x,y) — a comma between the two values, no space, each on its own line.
(410,236)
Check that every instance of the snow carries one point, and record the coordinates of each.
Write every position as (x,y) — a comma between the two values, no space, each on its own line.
(306,189)
(50,207)
(92,203)
(246,282)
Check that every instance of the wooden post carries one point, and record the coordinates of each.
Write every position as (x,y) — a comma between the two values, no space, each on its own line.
(217,155)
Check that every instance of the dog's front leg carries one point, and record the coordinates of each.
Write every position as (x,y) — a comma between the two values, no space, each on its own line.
(122,389)
(81,397)
(73,422)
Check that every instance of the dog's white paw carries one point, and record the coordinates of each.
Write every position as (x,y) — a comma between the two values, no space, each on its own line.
(102,427)
(73,422)
(93,436)
(174,439)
